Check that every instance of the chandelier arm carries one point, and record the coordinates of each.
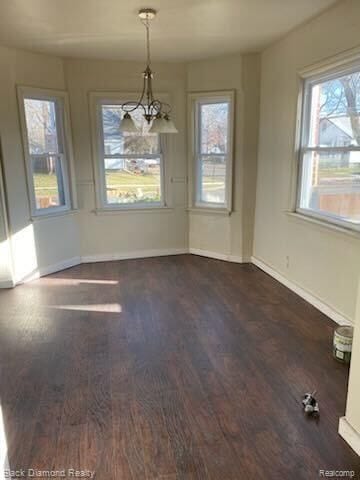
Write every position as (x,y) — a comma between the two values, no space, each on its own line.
(129,107)
(125,106)
(142,95)
(156,106)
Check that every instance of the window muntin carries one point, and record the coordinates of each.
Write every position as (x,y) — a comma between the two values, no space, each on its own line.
(45,153)
(212,151)
(329,184)
(131,167)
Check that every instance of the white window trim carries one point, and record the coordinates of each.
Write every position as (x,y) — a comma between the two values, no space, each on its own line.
(96,99)
(67,157)
(211,97)
(342,64)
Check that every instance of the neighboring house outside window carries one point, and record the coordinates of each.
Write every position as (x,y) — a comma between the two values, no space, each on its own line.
(329,184)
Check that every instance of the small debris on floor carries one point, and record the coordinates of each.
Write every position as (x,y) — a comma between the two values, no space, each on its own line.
(311,405)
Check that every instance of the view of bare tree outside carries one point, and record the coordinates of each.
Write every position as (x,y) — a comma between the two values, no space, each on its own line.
(132,160)
(43,144)
(213,130)
(331,170)
(41,126)
(340,103)
(213,120)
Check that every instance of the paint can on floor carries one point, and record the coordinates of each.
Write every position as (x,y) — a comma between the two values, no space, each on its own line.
(343,337)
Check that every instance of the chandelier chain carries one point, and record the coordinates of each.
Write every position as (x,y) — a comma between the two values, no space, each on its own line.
(154,109)
(148,42)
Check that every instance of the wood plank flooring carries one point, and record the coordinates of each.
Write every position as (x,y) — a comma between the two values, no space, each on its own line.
(169,368)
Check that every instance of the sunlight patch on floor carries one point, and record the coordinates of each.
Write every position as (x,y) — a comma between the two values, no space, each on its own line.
(101,307)
(75,281)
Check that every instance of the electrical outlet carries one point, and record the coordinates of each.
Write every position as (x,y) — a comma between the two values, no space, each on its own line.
(287,261)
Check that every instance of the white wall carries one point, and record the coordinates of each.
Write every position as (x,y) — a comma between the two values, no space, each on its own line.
(352,417)
(43,243)
(232,235)
(122,233)
(322,261)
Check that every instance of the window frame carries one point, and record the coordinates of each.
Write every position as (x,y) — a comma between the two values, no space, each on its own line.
(97,100)
(63,128)
(309,78)
(196,99)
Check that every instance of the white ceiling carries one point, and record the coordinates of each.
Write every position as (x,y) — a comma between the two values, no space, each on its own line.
(183,29)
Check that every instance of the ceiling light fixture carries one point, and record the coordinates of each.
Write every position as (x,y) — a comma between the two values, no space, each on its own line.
(155,112)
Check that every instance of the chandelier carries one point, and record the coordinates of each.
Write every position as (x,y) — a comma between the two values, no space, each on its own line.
(156,113)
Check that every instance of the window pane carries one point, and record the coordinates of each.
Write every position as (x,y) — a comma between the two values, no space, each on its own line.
(48,182)
(335,107)
(331,184)
(212,179)
(213,127)
(116,142)
(132,180)
(40,118)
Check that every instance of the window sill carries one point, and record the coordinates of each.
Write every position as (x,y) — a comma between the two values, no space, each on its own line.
(323,224)
(209,211)
(49,216)
(120,210)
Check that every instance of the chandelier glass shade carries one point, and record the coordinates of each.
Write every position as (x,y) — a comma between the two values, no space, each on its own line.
(155,112)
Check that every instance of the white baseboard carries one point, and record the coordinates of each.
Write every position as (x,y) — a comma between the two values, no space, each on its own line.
(309,297)
(136,254)
(351,436)
(41,272)
(7,284)
(56,267)
(216,255)
(71,262)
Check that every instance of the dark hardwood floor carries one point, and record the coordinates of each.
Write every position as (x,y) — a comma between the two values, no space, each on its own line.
(169,368)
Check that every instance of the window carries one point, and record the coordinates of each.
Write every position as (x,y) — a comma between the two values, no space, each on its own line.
(329,183)
(131,164)
(46,151)
(212,140)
